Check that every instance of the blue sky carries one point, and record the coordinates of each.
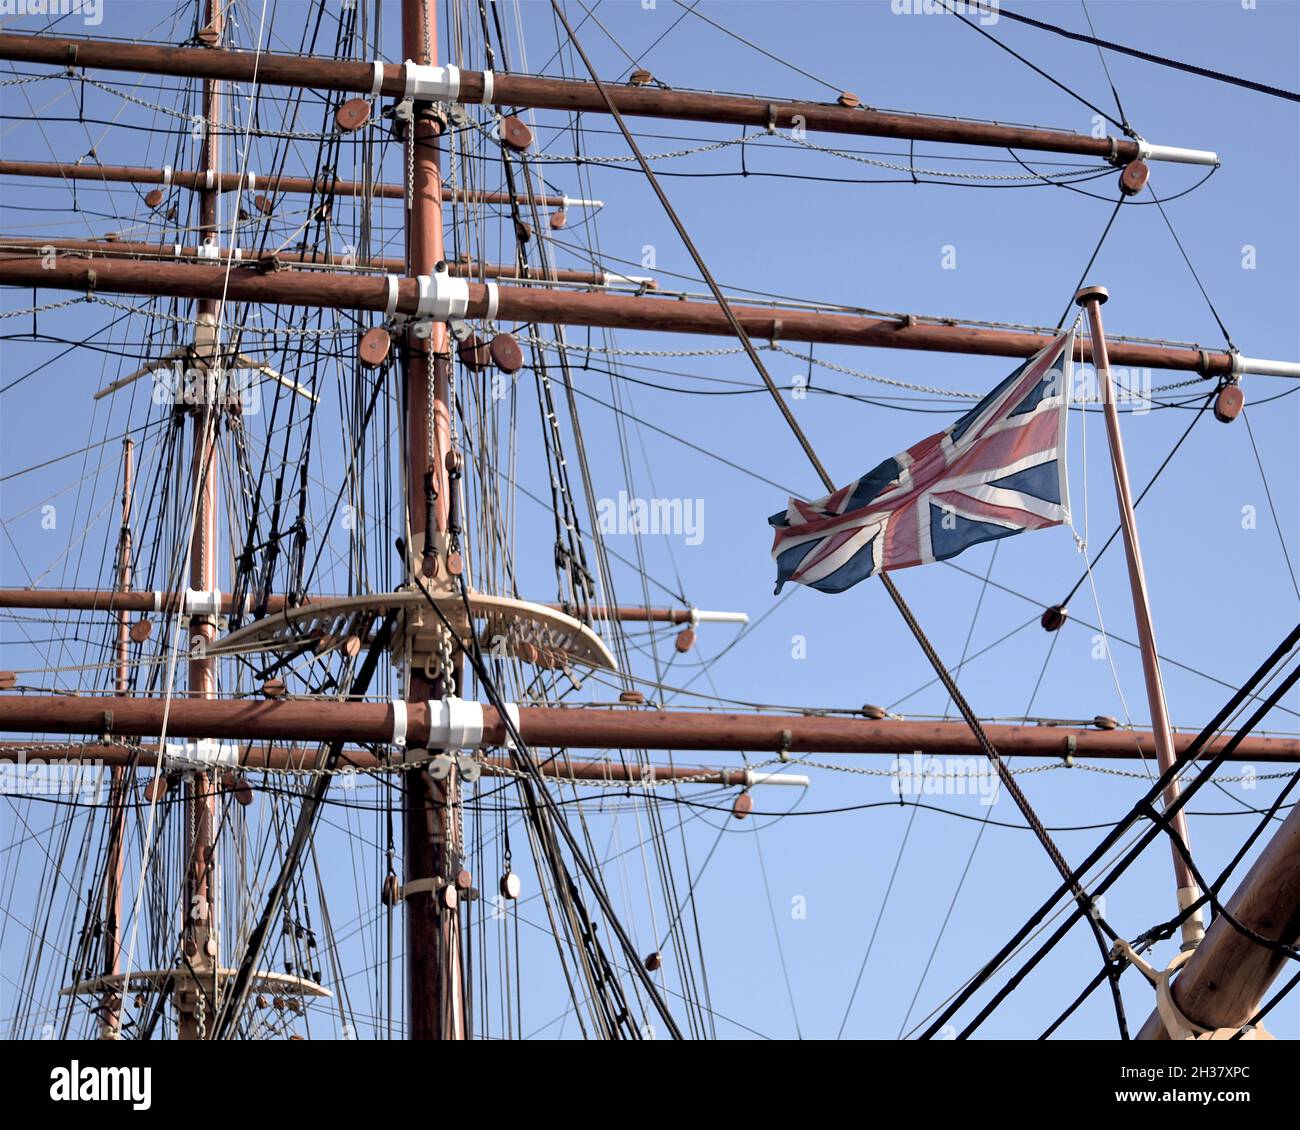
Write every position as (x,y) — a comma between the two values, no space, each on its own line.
(796,897)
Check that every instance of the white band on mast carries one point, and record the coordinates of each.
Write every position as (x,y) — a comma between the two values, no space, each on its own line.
(399,723)
(441,297)
(378,82)
(390,306)
(489,86)
(454,723)
(201,755)
(493,299)
(431,83)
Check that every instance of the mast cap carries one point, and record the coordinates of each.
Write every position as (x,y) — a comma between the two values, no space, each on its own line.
(1088,293)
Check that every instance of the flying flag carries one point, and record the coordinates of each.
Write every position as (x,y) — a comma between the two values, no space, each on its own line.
(998,470)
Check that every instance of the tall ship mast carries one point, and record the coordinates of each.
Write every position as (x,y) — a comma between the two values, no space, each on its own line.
(374,418)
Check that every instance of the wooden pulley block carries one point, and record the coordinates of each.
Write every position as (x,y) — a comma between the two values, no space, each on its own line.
(390,894)
(141,630)
(640,78)
(849,100)
(273,688)
(455,565)
(1229,403)
(559,219)
(262,1002)
(506,354)
(515,133)
(352,115)
(523,231)
(742,806)
(263,204)
(511,885)
(277,1003)
(474,353)
(1105,722)
(1054,618)
(153,197)
(235,784)
(685,640)
(632,698)
(155,789)
(449,898)
(1134,177)
(429,564)
(376,343)
(873,711)
(653,961)
(464,880)
(7,680)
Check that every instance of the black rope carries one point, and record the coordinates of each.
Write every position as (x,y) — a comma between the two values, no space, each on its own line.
(1136,502)
(1204,293)
(1102,56)
(1039,70)
(1091,260)
(1146,56)
(1144,808)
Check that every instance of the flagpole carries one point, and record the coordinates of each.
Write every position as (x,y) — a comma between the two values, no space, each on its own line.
(1091,299)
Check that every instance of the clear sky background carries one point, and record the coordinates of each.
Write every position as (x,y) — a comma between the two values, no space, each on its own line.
(792,898)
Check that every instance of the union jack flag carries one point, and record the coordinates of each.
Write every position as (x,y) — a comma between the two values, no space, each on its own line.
(998,470)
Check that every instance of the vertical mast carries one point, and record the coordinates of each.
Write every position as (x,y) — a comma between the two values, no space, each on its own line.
(199,942)
(1091,299)
(435,1006)
(111,1011)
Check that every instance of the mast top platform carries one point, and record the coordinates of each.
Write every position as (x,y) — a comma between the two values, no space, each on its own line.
(534,633)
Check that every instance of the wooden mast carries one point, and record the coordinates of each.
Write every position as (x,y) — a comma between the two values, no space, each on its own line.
(114,866)
(1091,299)
(1223,981)
(194,995)
(435,1005)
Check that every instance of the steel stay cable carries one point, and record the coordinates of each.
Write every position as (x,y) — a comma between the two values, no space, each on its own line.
(1142,807)
(738,330)
(1146,56)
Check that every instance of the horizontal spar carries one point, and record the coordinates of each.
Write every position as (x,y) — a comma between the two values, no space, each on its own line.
(175,252)
(282,758)
(449,84)
(537,305)
(578,728)
(147,600)
(238,182)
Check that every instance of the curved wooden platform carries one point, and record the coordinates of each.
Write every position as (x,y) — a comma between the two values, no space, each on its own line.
(506,626)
